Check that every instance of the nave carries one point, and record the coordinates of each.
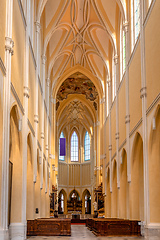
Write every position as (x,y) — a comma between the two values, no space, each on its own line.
(81,232)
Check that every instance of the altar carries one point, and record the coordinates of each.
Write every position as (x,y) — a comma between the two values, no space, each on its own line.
(75,216)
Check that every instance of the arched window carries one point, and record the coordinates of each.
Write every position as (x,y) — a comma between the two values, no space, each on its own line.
(74,147)
(113,79)
(122,51)
(135,20)
(62,202)
(87,147)
(61,158)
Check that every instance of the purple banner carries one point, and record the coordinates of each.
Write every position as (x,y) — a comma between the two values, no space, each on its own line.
(62,147)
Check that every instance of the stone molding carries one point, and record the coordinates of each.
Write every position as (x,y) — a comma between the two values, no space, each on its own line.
(143,92)
(9,44)
(2,67)
(18,231)
(36,118)
(26,92)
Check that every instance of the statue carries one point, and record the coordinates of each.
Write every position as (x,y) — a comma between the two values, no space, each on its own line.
(95,206)
(95,209)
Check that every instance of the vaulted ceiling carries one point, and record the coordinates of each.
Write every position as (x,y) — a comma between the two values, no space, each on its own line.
(80,34)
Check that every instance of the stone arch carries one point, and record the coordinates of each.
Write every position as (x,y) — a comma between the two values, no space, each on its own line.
(123,186)
(137,180)
(62,191)
(30,183)
(15,159)
(154,169)
(43,194)
(108,197)
(114,190)
(87,193)
(37,188)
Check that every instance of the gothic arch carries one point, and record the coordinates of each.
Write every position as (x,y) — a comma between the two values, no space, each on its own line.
(154,168)
(137,179)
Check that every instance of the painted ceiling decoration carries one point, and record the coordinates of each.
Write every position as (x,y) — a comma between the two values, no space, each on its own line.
(77,84)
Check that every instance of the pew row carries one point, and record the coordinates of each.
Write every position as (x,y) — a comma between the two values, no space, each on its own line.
(113,227)
(49,227)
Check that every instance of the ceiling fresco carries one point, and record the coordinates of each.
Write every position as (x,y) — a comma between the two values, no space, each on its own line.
(77,84)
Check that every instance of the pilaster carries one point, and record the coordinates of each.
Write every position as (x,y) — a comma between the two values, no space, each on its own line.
(143,96)
(42,117)
(6,122)
(36,116)
(127,118)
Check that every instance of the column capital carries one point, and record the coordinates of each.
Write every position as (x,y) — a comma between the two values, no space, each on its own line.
(98,123)
(38,26)
(9,44)
(126,27)
(116,57)
(48,81)
(143,92)
(47,147)
(53,100)
(117,135)
(26,92)
(42,135)
(109,82)
(127,119)
(36,118)
(110,147)
(44,59)
(102,100)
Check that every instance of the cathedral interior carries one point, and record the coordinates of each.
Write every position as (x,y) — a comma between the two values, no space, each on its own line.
(79,112)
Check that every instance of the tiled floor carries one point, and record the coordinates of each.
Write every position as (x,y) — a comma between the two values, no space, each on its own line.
(81,232)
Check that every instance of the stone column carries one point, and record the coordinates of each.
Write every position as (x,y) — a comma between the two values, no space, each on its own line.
(116,62)
(18,230)
(6,122)
(42,116)
(110,137)
(36,117)
(143,92)
(47,131)
(127,117)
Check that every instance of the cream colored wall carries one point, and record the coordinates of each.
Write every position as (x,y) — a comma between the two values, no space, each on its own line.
(15,158)
(122,113)
(40,116)
(2,28)
(113,128)
(154,169)
(18,64)
(152,40)
(132,193)
(31,85)
(79,174)
(135,103)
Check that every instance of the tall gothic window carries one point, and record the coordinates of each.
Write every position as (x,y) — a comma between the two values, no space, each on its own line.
(61,158)
(122,52)
(113,79)
(74,147)
(135,20)
(87,147)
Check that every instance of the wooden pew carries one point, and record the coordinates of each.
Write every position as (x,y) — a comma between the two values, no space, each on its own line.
(49,227)
(113,227)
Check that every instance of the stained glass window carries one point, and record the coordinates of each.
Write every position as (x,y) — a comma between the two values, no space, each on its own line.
(87,147)
(61,158)
(74,147)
